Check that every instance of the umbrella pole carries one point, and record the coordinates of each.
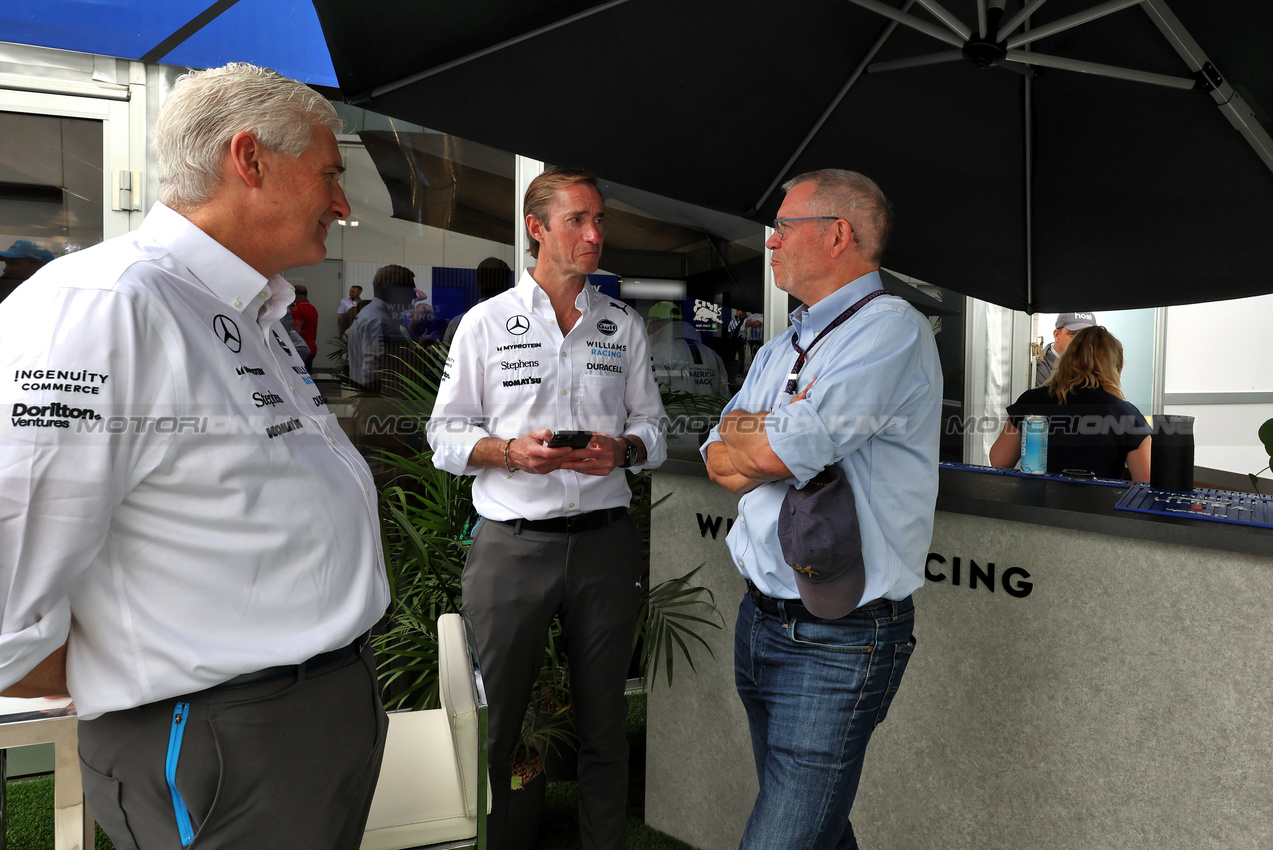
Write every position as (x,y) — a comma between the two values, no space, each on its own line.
(1028,126)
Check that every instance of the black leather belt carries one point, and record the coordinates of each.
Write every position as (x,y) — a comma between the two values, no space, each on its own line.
(568,524)
(323,662)
(794,608)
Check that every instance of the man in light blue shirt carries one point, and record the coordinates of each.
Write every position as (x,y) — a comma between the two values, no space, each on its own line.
(866,396)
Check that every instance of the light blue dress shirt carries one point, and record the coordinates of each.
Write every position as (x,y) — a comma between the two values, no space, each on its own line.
(875,409)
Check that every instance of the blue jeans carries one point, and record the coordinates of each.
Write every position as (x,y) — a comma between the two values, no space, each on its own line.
(814,692)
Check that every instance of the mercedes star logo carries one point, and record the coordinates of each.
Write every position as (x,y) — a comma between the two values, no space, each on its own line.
(228,331)
(280,342)
(518,325)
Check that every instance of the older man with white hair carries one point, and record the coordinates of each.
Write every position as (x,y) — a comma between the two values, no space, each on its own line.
(191,544)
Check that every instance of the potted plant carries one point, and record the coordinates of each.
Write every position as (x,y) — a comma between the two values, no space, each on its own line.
(427,518)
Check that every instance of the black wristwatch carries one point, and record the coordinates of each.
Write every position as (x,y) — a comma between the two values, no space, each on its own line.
(630,454)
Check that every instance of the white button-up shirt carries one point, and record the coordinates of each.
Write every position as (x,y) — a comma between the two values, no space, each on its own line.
(173,490)
(511,371)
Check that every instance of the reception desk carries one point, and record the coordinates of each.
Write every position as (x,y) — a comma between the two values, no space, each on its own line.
(1085,677)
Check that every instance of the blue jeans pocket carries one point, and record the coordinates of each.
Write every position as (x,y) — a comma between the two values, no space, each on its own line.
(901,657)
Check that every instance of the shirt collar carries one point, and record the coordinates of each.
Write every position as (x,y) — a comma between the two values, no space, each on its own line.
(810,321)
(528,290)
(224,274)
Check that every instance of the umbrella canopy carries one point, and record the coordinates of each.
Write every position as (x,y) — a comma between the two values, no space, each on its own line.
(1079,155)
(279,34)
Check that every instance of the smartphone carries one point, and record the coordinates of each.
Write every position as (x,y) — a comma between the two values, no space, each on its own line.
(573,439)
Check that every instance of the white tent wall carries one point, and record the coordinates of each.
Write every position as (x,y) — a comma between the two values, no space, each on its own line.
(1218,370)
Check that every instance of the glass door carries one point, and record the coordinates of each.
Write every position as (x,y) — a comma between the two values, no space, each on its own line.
(66,179)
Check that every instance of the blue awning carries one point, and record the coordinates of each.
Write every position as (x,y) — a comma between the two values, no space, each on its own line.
(279,34)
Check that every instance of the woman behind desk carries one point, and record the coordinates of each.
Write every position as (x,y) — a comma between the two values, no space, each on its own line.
(1090,425)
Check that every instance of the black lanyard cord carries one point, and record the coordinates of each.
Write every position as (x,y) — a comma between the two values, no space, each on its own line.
(839,320)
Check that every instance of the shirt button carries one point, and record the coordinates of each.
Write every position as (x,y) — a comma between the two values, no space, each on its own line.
(264,293)
(563,392)
(572,504)
(238,303)
(563,354)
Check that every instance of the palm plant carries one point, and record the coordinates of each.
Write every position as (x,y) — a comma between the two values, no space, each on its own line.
(427,517)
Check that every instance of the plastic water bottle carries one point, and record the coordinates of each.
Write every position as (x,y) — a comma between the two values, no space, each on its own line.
(1034,445)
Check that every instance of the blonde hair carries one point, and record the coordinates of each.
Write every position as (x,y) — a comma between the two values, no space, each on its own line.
(542,191)
(1094,358)
(206,108)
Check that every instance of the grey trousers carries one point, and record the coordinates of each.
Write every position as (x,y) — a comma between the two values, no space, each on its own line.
(290,763)
(514,582)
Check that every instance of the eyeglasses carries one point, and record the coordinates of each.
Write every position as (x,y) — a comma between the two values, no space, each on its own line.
(780,224)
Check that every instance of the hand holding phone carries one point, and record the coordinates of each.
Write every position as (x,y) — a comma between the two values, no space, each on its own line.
(571,439)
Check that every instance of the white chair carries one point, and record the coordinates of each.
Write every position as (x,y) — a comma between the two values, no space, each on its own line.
(24,722)
(433,789)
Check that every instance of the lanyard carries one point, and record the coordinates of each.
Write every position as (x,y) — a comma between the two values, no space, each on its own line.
(839,320)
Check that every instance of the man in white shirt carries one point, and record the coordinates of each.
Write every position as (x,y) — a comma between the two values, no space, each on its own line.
(191,544)
(343,317)
(550,355)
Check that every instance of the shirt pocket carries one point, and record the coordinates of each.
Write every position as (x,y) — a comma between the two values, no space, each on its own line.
(600,403)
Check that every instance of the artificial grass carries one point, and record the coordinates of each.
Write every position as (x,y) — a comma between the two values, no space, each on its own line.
(29,812)
(29,816)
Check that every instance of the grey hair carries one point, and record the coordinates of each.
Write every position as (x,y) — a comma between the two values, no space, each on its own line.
(206,108)
(855,197)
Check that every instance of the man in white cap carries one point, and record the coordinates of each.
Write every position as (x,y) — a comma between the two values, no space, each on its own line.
(1067,325)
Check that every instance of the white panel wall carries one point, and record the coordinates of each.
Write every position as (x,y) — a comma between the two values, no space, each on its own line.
(1218,348)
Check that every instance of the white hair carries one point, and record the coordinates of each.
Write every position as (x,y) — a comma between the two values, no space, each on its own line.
(856,198)
(206,108)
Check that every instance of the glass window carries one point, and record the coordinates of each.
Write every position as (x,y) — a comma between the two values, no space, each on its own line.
(50,191)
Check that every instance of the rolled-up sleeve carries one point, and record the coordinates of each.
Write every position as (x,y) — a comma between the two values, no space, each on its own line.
(458,421)
(62,473)
(646,418)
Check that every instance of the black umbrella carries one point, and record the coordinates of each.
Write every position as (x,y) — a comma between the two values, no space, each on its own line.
(1080,155)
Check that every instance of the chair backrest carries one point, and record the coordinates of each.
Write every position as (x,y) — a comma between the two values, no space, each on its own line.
(463,699)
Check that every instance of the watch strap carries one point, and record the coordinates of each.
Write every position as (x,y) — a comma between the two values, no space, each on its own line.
(629,454)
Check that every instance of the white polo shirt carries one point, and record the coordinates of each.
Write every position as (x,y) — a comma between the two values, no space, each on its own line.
(511,371)
(173,489)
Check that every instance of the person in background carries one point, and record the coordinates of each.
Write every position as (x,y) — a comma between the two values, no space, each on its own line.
(23,259)
(298,342)
(866,399)
(1091,426)
(555,539)
(191,543)
(377,327)
(348,309)
(1067,324)
(682,361)
(493,277)
(305,321)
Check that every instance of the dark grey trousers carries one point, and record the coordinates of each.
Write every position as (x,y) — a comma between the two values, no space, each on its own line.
(513,585)
(277,765)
